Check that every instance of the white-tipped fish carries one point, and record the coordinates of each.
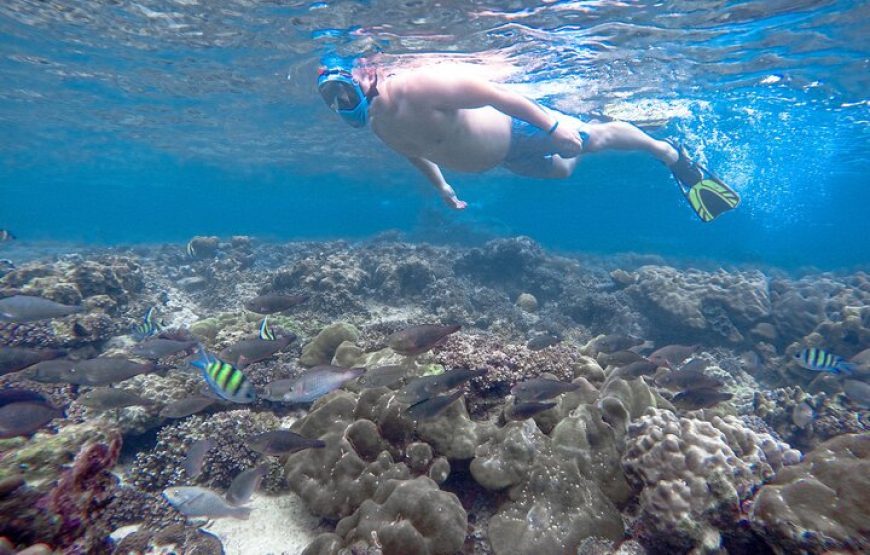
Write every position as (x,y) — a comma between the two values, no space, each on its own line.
(194,501)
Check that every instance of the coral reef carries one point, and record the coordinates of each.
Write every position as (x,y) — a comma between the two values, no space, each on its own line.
(820,505)
(693,476)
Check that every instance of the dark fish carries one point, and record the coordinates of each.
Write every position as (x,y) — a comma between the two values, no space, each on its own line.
(194,501)
(13,359)
(688,379)
(430,408)
(245,484)
(186,407)
(820,360)
(249,351)
(281,442)
(23,308)
(105,398)
(315,383)
(636,369)
(6,235)
(672,355)
(420,389)
(8,396)
(271,303)
(196,456)
(419,339)
(50,371)
(149,326)
(862,358)
(104,371)
(695,399)
(542,342)
(23,418)
(383,376)
(224,379)
(158,348)
(540,389)
(619,358)
(616,342)
(526,410)
(858,392)
(802,415)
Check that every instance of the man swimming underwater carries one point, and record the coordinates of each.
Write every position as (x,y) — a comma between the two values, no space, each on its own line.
(436,117)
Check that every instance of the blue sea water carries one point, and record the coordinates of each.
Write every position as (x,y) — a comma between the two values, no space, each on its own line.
(155,120)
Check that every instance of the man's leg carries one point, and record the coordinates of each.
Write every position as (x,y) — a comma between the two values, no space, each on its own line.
(619,135)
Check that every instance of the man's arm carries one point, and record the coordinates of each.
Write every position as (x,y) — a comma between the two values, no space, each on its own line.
(433,174)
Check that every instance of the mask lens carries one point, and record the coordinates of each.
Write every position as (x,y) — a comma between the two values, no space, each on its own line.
(339,95)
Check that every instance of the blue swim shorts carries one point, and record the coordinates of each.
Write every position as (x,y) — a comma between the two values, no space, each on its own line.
(531,150)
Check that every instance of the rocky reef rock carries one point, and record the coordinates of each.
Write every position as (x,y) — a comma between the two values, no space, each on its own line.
(551,507)
(822,504)
(702,305)
(321,349)
(693,476)
(407,516)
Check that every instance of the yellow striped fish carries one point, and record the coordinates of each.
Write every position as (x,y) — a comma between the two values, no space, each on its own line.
(820,360)
(266,333)
(149,326)
(227,381)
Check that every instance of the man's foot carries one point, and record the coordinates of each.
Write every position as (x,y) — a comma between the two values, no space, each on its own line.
(707,194)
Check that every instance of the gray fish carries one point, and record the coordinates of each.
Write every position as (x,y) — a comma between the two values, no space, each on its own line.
(158,348)
(672,355)
(695,399)
(541,389)
(636,369)
(13,359)
(619,358)
(245,484)
(50,371)
(105,398)
(196,453)
(271,303)
(416,340)
(858,392)
(613,342)
(186,407)
(695,365)
(102,371)
(526,410)
(281,442)
(249,351)
(802,415)
(23,418)
(430,408)
(383,376)
(8,396)
(24,308)
(194,501)
(542,342)
(862,358)
(317,382)
(688,379)
(420,389)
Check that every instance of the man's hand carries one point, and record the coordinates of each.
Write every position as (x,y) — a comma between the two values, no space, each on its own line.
(566,139)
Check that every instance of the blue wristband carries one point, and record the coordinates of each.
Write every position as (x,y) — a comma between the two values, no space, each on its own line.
(555,125)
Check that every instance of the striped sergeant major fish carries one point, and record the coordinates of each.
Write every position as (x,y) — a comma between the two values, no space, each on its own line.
(224,379)
(820,360)
(150,326)
(266,333)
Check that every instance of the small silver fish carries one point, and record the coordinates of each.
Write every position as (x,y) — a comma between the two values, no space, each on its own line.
(186,407)
(416,340)
(672,355)
(317,382)
(249,351)
(158,348)
(194,501)
(105,398)
(430,408)
(802,415)
(420,389)
(276,443)
(383,376)
(271,303)
(13,359)
(245,484)
(196,456)
(541,389)
(24,418)
(857,392)
(526,410)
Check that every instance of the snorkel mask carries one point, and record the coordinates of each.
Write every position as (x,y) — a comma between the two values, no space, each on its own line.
(342,93)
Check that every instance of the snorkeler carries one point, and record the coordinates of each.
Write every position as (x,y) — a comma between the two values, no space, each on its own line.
(435,117)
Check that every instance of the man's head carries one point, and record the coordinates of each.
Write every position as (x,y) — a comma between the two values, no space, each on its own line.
(342,91)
